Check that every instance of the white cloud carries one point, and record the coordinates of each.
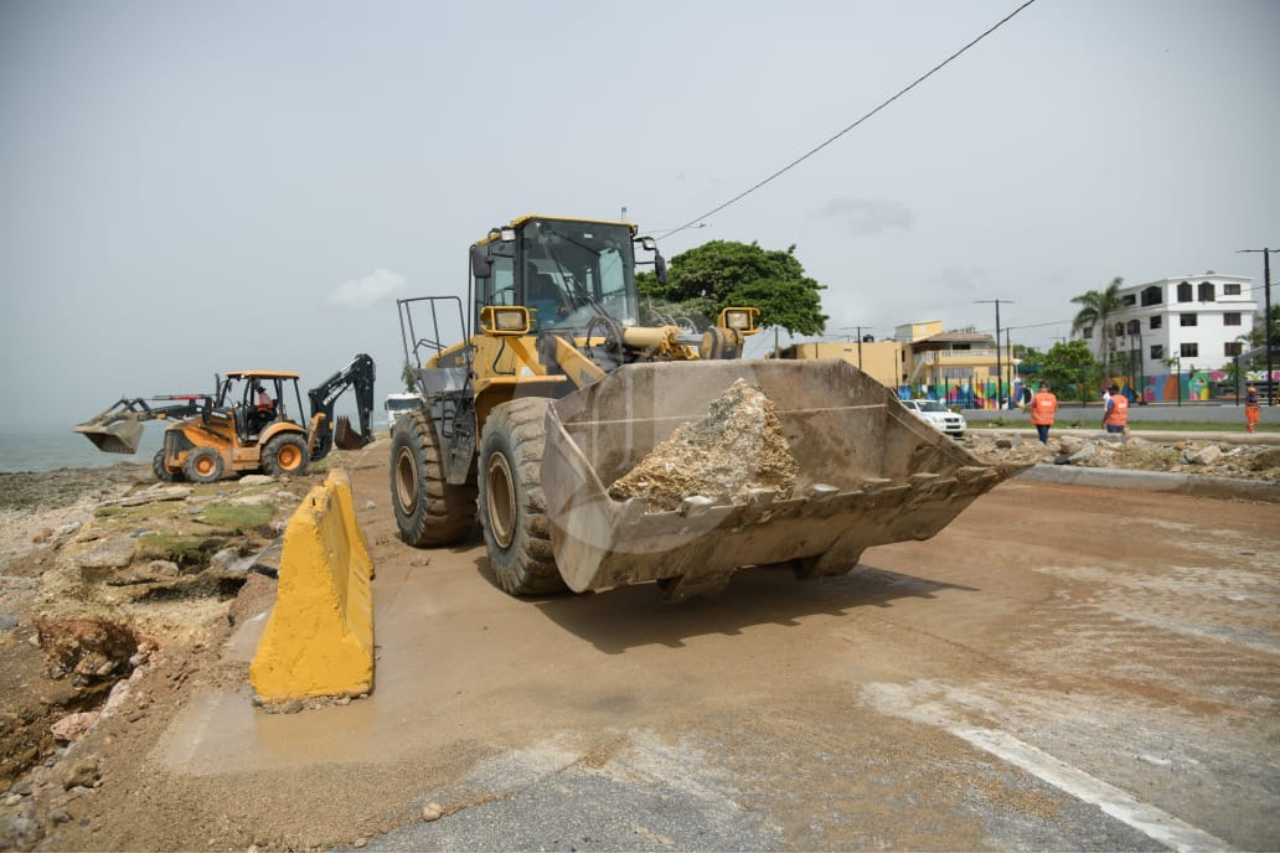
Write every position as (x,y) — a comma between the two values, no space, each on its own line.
(869,215)
(381,284)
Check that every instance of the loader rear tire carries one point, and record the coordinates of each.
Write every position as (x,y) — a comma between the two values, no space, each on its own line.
(285,456)
(430,511)
(512,503)
(203,465)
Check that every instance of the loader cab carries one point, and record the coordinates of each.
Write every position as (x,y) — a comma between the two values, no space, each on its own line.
(258,398)
(564,271)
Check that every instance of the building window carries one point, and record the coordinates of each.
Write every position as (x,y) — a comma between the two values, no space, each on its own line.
(1128,300)
(1187,319)
(1152,296)
(1190,351)
(1230,290)
(1157,322)
(1206,292)
(1135,326)
(1231,318)
(1157,351)
(1184,292)
(1119,330)
(1232,349)
(1087,333)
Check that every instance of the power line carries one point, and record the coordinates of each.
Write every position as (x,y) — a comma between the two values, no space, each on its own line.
(935,69)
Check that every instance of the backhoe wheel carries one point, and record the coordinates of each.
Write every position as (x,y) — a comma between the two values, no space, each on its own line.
(285,455)
(163,474)
(203,465)
(512,503)
(430,511)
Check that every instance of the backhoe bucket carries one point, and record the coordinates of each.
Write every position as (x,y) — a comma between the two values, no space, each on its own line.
(120,436)
(868,472)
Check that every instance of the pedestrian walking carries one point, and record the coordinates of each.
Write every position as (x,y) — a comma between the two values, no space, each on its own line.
(1252,411)
(1044,407)
(1115,420)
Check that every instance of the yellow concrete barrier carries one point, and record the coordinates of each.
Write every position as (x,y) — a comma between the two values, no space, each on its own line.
(318,640)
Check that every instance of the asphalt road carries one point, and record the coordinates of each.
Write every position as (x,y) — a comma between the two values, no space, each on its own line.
(1062,668)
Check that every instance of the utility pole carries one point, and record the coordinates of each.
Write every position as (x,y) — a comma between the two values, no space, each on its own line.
(1266,316)
(1008,357)
(858,329)
(999,368)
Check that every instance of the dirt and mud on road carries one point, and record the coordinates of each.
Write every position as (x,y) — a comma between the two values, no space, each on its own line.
(1054,649)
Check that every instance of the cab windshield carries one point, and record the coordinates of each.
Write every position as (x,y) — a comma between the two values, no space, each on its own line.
(403,404)
(932,406)
(574,271)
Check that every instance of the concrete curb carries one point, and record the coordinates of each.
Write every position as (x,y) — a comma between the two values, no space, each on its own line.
(1154,481)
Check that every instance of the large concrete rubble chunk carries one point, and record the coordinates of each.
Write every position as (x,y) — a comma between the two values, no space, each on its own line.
(737,448)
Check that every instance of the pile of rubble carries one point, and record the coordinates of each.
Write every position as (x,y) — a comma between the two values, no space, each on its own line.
(738,447)
(1183,456)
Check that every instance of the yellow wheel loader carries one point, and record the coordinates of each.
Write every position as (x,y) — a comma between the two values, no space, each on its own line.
(246,426)
(557,396)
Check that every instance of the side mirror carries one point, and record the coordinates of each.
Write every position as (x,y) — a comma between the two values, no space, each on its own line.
(481,264)
(660,267)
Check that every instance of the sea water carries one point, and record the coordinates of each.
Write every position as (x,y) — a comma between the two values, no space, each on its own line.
(56,446)
(47,448)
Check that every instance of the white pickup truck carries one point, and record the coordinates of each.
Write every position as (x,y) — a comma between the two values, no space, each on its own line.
(399,403)
(938,416)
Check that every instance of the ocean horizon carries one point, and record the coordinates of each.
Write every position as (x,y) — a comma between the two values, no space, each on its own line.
(53,446)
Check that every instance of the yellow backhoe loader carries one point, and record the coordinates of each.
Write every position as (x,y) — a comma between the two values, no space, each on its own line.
(557,393)
(246,426)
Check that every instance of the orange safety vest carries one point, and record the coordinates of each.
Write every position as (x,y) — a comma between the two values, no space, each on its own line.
(1118,414)
(1044,405)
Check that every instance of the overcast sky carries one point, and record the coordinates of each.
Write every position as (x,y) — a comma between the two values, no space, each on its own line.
(196,187)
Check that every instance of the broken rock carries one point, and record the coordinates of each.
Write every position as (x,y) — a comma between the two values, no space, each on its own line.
(738,447)
(114,553)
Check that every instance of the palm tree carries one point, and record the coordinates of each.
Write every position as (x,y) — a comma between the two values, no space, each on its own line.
(1097,306)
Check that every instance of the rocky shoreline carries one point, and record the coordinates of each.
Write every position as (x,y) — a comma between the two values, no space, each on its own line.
(115,590)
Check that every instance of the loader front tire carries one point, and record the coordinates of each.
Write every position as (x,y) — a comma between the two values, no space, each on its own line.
(512,503)
(285,456)
(203,465)
(430,511)
(163,474)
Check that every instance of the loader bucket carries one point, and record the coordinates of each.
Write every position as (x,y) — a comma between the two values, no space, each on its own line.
(868,472)
(120,436)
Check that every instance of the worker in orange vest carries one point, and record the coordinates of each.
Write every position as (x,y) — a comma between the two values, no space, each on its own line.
(1251,409)
(1044,406)
(1115,420)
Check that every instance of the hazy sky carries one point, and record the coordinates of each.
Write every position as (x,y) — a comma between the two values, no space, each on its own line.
(196,187)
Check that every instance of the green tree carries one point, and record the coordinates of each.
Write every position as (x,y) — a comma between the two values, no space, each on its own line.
(1097,308)
(1071,365)
(1030,361)
(1257,336)
(707,278)
(409,377)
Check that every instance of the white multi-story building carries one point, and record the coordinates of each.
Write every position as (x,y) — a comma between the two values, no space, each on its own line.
(1197,320)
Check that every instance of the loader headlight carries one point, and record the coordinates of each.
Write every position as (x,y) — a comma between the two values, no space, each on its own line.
(504,320)
(741,320)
